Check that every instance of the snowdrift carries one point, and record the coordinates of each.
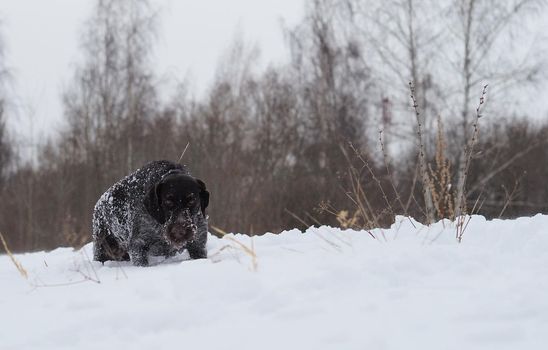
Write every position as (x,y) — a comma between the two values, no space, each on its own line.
(412,287)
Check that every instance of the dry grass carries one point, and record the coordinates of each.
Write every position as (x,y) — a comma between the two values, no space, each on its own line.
(346,221)
(17,264)
(435,176)
(440,175)
(83,267)
(238,246)
(183,154)
(364,215)
(87,272)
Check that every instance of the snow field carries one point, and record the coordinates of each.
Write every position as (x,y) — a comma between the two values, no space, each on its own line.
(412,287)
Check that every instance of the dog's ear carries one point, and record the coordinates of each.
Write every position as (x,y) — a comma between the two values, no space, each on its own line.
(152,203)
(204,196)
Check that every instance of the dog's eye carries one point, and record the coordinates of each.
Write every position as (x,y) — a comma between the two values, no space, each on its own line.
(190,199)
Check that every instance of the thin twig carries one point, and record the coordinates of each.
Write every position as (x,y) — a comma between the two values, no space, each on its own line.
(469,151)
(296,217)
(183,154)
(509,197)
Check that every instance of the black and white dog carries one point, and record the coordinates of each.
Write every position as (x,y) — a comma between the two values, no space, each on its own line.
(157,210)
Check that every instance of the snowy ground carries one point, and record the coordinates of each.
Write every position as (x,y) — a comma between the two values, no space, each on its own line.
(412,288)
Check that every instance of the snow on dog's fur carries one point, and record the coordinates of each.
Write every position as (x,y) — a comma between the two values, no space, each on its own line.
(157,210)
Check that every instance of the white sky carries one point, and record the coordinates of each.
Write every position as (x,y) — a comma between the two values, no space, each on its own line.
(41,40)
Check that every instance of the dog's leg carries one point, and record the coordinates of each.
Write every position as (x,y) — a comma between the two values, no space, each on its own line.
(99,252)
(138,252)
(102,247)
(197,247)
(197,252)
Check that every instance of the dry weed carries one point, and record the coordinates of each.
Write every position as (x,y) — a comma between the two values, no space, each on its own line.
(238,246)
(15,262)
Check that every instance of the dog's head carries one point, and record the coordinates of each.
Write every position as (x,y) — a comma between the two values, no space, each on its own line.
(177,201)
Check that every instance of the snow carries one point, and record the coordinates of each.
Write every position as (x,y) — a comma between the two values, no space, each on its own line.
(411,288)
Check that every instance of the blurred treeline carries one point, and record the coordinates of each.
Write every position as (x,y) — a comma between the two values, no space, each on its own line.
(298,143)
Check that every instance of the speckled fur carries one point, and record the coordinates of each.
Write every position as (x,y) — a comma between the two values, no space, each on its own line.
(123,229)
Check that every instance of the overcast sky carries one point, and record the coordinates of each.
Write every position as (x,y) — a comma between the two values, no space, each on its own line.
(41,40)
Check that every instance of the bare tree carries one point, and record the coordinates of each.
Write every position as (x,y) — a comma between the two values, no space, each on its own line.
(401,39)
(108,104)
(485,29)
(114,87)
(5,146)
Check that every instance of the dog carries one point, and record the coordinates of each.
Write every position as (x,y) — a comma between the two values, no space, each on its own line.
(157,210)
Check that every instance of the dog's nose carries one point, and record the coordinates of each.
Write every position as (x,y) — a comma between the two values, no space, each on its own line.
(179,235)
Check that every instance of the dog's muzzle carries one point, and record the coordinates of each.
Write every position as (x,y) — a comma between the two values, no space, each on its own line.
(181,229)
